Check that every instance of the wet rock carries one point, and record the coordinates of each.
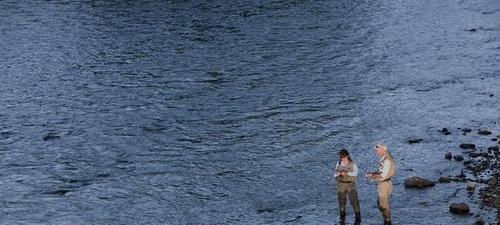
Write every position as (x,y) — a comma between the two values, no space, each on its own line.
(58,192)
(494,148)
(460,177)
(448,156)
(459,208)
(471,186)
(458,158)
(445,131)
(468,146)
(479,221)
(265,210)
(489,194)
(484,132)
(472,30)
(418,182)
(468,162)
(494,139)
(414,141)
(446,179)
(478,154)
(50,136)
(466,130)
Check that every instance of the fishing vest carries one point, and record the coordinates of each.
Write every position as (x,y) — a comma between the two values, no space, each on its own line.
(348,168)
(392,168)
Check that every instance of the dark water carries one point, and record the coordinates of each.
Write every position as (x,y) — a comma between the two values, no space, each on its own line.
(223,112)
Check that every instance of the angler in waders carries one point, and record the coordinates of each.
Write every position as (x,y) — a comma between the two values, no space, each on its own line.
(346,172)
(383,178)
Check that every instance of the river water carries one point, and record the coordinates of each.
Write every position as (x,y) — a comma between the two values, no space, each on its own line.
(224,112)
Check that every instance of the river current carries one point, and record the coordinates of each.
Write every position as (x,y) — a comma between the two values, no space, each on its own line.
(233,112)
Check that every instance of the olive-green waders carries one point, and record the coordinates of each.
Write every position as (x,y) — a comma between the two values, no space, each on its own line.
(384,194)
(344,189)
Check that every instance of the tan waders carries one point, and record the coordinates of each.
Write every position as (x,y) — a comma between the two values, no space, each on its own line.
(384,192)
(344,189)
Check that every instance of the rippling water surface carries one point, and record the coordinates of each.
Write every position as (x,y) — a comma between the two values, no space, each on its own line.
(223,112)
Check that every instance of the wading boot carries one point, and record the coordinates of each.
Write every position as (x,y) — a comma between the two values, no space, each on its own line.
(342,215)
(387,222)
(358,217)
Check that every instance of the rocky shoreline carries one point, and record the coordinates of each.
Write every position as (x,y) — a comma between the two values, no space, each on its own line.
(480,172)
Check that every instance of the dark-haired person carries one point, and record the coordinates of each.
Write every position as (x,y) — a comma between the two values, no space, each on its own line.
(383,178)
(346,172)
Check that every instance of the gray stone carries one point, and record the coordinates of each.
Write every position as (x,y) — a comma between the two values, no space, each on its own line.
(418,182)
(448,156)
(458,158)
(484,132)
(468,146)
(459,208)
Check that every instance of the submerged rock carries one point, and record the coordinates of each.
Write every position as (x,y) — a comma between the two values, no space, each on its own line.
(458,158)
(446,179)
(50,136)
(418,182)
(414,141)
(478,154)
(484,132)
(459,208)
(471,186)
(445,131)
(494,148)
(466,130)
(468,146)
(448,156)
(479,221)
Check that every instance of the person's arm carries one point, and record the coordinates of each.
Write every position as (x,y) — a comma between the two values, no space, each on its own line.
(354,171)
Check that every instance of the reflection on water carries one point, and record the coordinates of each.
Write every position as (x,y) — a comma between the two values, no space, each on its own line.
(175,112)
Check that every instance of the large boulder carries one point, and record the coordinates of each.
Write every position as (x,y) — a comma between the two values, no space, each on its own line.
(459,208)
(418,182)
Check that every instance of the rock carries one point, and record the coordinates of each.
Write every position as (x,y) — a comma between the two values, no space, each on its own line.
(414,141)
(50,136)
(466,130)
(459,208)
(472,30)
(493,182)
(479,221)
(448,156)
(477,154)
(494,148)
(468,146)
(494,139)
(418,182)
(445,131)
(445,179)
(458,158)
(468,162)
(484,132)
(471,186)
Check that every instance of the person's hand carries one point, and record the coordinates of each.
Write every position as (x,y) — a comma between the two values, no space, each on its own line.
(369,175)
(343,173)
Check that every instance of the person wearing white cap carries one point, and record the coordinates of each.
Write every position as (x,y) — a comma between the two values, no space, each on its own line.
(383,178)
